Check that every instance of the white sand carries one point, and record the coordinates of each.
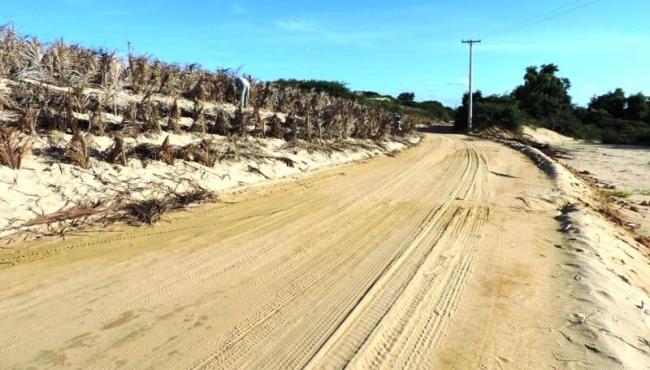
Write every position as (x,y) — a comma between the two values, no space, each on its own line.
(544,136)
(44,185)
(611,291)
(619,169)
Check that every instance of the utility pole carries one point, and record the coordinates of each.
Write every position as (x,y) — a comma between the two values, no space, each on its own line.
(470,113)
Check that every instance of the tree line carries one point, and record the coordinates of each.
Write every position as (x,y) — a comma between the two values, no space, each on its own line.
(543,100)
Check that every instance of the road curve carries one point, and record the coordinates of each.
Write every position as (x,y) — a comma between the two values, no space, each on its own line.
(382,264)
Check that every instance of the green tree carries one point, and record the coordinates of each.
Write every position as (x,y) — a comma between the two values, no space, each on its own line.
(406,98)
(636,108)
(544,96)
(494,110)
(435,108)
(613,102)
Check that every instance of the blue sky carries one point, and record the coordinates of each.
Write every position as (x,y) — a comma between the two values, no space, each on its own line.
(384,46)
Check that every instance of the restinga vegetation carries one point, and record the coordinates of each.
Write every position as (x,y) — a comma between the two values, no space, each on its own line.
(543,100)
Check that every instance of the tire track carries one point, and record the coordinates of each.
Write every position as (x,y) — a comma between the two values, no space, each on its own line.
(361,271)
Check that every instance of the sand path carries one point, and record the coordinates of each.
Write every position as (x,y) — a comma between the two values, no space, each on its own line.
(444,256)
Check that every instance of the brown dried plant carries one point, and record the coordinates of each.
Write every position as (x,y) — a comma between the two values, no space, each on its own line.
(165,153)
(96,123)
(130,124)
(13,147)
(118,153)
(275,124)
(146,211)
(29,119)
(173,121)
(77,151)
(199,124)
(205,153)
(221,123)
(150,117)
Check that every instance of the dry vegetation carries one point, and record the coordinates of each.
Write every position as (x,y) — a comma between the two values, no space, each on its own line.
(75,90)
(13,147)
(72,95)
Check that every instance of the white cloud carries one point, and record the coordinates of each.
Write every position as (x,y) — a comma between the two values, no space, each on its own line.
(294,25)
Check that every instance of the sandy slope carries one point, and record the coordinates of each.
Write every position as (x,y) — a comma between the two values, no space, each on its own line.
(445,256)
(611,267)
(627,168)
(618,169)
(45,185)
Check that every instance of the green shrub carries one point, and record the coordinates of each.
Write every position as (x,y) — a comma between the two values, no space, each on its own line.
(622,194)
(493,110)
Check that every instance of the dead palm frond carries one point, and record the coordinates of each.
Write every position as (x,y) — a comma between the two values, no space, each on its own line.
(118,153)
(58,61)
(79,101)
(166,154)
(13,147)
(130,124)
(150,116)
(205,153)
(275,124)
(147,211)
(202,89)
(221,124)
(78,152)
(111,78)
(28,120)
(96,123)
(173,121)
(138,73)
(30,57)
(199,124)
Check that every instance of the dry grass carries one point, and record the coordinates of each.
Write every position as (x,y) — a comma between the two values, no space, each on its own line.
(196,196)
(78,152)
(13,147)
(76,212)
(147,211)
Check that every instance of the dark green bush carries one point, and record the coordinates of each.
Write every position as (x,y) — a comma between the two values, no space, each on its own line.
(543,100)
(494,110)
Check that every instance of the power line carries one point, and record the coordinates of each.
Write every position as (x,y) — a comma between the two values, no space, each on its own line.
(548,13)
(552,14)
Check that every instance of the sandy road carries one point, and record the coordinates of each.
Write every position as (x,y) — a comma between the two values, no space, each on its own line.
(438,257)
